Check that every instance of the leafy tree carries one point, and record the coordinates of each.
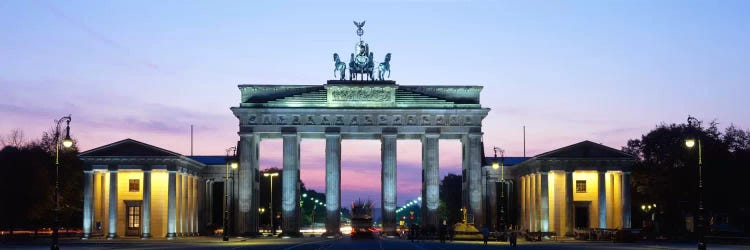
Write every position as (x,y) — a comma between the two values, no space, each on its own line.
(666,173)
(28,174)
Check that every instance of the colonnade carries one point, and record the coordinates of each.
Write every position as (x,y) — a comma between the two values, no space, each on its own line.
(170,210)
(547,199)
(290,210)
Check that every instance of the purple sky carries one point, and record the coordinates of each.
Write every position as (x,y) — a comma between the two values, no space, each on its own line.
(605,71)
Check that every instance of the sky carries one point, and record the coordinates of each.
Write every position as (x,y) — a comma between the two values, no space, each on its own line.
(605,71)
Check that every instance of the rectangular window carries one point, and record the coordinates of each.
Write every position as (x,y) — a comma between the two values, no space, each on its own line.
(135,185)
(581,186)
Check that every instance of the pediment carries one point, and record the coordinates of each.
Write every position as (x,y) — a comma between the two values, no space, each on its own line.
(585,149)
(128,147)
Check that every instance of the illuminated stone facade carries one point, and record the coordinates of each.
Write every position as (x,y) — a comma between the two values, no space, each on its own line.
(584,186)
(343,110)
(135,189)
(175,193)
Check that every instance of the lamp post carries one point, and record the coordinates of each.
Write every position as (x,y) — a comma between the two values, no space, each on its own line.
(690,143)
(230,162)
(67,143)
(495,165)
(270,206)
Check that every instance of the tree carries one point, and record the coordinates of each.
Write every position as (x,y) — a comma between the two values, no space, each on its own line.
(14,139)
(666,172)
(28,173)
(450,196)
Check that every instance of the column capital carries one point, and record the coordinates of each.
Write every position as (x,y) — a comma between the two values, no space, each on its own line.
(289,131)
(245,134)
(431,134)
(333,131)
(389,132)
(474,134)
(113,168)
(146,168)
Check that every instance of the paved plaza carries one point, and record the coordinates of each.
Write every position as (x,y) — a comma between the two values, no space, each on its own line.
(344,243)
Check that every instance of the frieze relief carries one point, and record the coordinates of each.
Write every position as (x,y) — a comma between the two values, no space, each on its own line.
(361,94)
(361,120)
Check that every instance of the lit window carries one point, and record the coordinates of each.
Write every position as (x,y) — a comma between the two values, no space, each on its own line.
(135,185)
(581,186)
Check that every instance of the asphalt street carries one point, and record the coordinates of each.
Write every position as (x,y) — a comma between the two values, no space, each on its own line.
(344,243)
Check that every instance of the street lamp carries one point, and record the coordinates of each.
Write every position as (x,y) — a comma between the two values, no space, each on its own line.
(270,206)
(67,143)
(690,142)
(230,162)
(498,164)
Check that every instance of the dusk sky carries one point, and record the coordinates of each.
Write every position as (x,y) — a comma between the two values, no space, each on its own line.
(605,71)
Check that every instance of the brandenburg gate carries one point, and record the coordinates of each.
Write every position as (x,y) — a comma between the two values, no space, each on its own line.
(349,110)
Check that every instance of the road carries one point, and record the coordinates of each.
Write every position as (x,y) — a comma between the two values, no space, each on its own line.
(344,243)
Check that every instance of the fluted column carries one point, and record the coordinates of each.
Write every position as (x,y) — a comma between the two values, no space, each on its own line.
(112,204)
(197,206)
(388,145)
(524,205)
(625,200)
(430,179)
(88,202)
(183,204)
(146,210)
(190,205)
(544,201)
(533,206)
(248,213)
(569,207)
(209,201)
(178,204)
(472,144)
(290,220)
(333,182)
(602,193)
(172,205)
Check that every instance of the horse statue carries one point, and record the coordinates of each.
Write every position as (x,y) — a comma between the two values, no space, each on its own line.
(385,66)
(338,66)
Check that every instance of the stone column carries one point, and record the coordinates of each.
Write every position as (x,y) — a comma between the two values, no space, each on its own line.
(333,182)
(183,204)
(88,202)
(178,203)
(602,193)
(112,204)
(290,220)
(544,201)
(209,201)
(625,200)
(146,210)
(532,203)
(388,145)
(569,207)
(189,204)
(172,205)
(430,178)
(524,203)
(472,144)
(248,214)
(196,205)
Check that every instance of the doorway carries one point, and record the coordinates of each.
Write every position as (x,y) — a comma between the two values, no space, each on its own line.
(581,215)
(132,218)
